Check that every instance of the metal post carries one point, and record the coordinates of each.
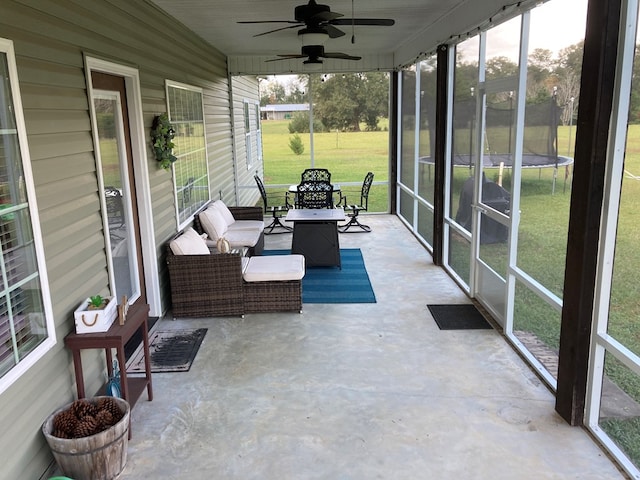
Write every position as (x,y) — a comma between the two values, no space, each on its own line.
(311,123)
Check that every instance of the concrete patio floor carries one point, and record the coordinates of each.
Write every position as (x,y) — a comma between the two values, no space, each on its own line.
(358,391)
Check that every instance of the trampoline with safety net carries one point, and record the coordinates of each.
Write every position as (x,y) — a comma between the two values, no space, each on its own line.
(540,139)
(539,150)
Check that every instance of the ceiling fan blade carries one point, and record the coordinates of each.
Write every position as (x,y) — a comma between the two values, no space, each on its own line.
(278,30)
(342,56)
(269,21)
(323,17)
(333,31)
(377,22)
(286,57)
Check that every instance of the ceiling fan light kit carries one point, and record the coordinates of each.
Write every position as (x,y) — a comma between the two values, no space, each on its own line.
(313,36)
(318,24)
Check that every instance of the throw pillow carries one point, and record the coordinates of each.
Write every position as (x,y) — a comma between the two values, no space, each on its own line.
(224,210)
(213,223)
(189,243)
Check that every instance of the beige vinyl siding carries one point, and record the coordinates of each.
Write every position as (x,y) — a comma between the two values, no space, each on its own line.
(217,118)
(51,39)
(246,89)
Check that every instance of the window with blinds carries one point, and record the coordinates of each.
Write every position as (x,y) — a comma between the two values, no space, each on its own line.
(23,325)
(191,174)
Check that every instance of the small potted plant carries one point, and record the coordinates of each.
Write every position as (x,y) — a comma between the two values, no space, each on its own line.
(96,314)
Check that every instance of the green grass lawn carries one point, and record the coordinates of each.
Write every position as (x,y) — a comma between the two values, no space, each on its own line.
(347,155)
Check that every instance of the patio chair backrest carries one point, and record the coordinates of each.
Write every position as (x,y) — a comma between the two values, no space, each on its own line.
(316,194)
(263,192)
(115,206)
(364,193)
(316,175)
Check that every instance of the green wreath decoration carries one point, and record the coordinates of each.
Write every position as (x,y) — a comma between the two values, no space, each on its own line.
(162,133)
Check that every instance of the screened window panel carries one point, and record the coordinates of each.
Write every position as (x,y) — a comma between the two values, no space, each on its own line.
(191,175)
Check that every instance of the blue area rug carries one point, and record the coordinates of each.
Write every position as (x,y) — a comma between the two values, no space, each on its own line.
(334,285)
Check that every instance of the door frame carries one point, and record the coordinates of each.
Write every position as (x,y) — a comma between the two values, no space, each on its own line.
(140,168)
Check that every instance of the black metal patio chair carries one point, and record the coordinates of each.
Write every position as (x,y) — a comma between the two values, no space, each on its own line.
(316,175)
(352,210)
(314,194)
(276,211)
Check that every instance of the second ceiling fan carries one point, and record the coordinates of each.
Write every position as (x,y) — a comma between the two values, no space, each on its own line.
(315,54)
(315,18)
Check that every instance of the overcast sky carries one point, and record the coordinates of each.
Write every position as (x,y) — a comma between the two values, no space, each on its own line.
(554,25)
(558,24)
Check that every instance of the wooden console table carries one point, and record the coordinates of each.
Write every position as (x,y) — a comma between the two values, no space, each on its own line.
(116,337)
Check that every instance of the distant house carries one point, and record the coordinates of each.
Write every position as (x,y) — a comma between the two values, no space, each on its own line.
(282,112)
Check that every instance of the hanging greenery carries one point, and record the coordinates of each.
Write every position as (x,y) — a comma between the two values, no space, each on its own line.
(162,133)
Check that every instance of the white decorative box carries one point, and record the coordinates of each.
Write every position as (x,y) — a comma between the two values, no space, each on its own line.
(93,321)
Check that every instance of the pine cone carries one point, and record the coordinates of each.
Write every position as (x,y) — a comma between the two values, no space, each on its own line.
(60,434)
(65,421)
(104,419)
(83,408)
(110,405)
(86,427)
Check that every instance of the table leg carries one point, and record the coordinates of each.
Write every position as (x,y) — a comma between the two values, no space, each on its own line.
(107,354)
(124,385)
(122,365)
(147,360)
(77,366)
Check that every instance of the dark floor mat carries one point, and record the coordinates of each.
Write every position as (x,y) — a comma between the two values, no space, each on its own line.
(458,317)
(136,339)
(169,351)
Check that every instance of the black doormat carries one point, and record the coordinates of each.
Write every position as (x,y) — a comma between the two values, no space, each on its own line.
(458,317)
(136,339)
(169,351)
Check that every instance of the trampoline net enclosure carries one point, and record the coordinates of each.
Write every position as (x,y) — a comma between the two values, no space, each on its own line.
(540,138)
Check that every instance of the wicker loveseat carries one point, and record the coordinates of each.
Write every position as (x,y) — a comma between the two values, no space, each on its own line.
(241,226)
(213,284)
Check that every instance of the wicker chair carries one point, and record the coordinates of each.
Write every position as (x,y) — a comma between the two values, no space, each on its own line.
(212,286)
(206,285)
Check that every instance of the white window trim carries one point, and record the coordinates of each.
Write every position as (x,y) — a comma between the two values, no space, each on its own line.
(248,133)
(139,146)
(258,132)
(192,88)
(6,47)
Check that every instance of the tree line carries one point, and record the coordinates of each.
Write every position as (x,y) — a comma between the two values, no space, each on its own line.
(340,102)
(347,101)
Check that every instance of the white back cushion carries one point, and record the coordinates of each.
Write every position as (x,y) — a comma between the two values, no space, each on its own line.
(213,223)
(189,243)
(224,210)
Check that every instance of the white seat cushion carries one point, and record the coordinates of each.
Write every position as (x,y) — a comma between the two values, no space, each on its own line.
(224,210)
(213,223)
(274,268)
(243,238)
(189,243)
(246,225)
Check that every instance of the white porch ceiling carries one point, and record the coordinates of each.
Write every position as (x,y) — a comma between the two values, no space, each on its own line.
(420,25)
